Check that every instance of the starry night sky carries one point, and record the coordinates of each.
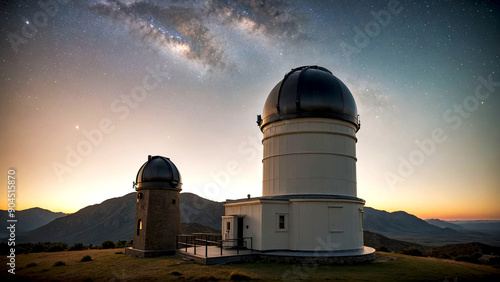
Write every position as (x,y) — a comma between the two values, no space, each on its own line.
(90,88)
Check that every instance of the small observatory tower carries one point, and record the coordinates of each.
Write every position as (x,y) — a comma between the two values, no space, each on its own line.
(157,217)
(309,205)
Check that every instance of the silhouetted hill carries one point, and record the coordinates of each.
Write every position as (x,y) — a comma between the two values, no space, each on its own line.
(191,227)
(400,223)
(445,224)
(485,226)
(113,220)
(469,249)
(200,210)
(375,240)
(30,219)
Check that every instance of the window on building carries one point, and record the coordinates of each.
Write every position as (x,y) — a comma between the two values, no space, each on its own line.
(139,227)
(282,222)
(173,201)
(361,219)
(228,226)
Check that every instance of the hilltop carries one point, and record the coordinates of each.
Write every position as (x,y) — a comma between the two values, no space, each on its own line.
(112,264)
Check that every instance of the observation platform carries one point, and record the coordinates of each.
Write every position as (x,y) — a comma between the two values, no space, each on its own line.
(205,251)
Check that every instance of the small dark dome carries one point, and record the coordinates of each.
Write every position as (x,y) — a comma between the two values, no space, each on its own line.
(309,91)
(158,172)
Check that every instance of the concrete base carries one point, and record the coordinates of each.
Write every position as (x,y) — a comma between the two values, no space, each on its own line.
(148,253)
(365,254)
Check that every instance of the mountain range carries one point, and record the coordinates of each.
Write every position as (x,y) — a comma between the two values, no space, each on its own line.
(401,223)
(30,219)
(403,226)
(445,224)
(113,218)
(485,226)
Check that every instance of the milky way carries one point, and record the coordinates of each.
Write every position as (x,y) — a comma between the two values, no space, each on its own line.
(177,27)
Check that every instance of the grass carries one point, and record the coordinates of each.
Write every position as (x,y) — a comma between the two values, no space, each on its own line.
(107,265)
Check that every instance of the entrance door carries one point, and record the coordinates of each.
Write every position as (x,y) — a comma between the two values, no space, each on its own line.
(240,232)
(228,227)
(232,231)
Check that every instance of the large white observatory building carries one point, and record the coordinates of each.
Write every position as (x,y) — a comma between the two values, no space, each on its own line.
(309,203)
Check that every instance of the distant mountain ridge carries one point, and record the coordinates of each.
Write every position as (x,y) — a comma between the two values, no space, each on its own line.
(485,226)
(200,210)
(30,219)
(400,223)
(406,227)
(445,224)
(113,220)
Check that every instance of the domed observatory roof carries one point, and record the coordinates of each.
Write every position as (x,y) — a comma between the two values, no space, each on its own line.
(158,172)
(309,91)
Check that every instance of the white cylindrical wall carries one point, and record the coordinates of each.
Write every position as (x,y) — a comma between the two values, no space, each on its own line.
(309,156)
(321,226)
(310,224)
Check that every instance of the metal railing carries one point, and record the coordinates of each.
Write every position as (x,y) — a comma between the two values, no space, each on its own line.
(239,242)
(195,240)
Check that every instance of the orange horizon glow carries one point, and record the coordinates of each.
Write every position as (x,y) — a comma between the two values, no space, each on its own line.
(448,215)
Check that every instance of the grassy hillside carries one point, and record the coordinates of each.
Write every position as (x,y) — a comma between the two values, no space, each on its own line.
(107,265)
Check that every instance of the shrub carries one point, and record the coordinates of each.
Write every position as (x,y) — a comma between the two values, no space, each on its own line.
(239,276)
(382,249)
(57,247)
(468,258)
(77,247)
(444,256)
(31,264)
(23,248)
(477,255)
(412,251)
(59,263)
(120,244)
(494,261)
(108,245)
(38,248)
(86,258)
(176,273)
